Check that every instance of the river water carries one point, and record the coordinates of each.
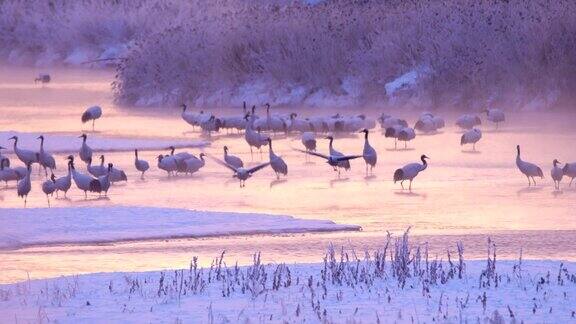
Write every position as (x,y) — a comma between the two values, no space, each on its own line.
(462,196)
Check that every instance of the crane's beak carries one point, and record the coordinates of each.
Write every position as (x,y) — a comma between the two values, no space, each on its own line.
(12,138)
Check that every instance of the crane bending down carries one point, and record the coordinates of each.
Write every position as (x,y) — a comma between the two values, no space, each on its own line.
(91,114)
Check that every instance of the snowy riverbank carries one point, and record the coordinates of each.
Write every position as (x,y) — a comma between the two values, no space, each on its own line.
(342,290)
(42,226)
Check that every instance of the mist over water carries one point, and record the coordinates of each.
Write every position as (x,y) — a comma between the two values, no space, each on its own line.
(461,196)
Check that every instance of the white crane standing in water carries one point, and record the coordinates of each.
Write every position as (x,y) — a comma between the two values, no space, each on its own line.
(43,78)
(91,114)
(495,115)
(26,156)
(242,173)
(231,159)
(556,173)
(7,173)
(569,170)
(4,157)
(471,137)
(84,182)
(253,138)
(168,163)
(141,165)
(85,150)
(48,187)
(368,153)
(410,171)
(530,170)
(105,180)
(44,158)
(24,185)
(96,170)
(64,183)
(276,162)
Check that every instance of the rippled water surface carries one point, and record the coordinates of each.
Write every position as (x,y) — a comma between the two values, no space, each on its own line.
(462,196)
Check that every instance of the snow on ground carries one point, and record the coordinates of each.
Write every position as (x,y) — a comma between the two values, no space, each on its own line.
(337,291)
(71,143)
(25,227)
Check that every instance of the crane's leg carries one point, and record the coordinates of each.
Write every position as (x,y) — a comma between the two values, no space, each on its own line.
(402,184)
(277,176)
(251,153)
(410,187)
(366,168)
(85,195)
(405,144)
(529,183)
(93,121)
(395,143)
(571,182)
(474,147)
(534,181)
(47,198)
(25,200)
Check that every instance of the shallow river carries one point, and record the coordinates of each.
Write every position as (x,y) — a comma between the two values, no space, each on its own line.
(462,196)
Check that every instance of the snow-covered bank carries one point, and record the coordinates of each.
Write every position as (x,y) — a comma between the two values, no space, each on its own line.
(71,143)
(25,227)
(341,290)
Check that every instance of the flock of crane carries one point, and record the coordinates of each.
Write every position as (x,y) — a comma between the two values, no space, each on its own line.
(257,134)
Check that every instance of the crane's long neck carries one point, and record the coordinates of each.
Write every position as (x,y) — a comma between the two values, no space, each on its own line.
(15,143)
(366,136)
(424,163)
(330,145)
(270,146)
(136,154)
(555,163)
(41,143)
(518,159)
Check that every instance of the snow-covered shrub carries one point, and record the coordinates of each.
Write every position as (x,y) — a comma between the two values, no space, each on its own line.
(429,54)
(464,54)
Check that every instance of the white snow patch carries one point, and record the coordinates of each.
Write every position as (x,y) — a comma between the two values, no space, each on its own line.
(406,80)
(39,226)
(71,143)
(307,293)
